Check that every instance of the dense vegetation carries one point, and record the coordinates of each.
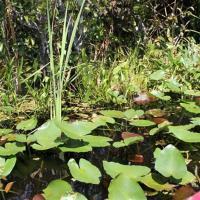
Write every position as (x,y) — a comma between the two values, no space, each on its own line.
(99,99)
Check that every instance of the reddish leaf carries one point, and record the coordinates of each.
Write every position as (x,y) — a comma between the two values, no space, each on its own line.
(183,193)
(138,158)
(8,187)
(159,120)
(125,135)
(3,140)
(197,99)
(195,197)
(144,98)
(38,197)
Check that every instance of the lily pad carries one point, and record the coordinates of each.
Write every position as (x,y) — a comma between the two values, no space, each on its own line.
(97,141)
(131,113)
(191,107)
(142,123)
(73,196)
(103,120)
(27,125)
(11,149)
(85,171)
(113,113)
(160,95)
(128,141)
(5,131)
(6,166)
(170,162)
(57,189)
(124,187)
(133,171)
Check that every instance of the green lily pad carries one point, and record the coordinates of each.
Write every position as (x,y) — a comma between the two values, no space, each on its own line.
(124,187)
(157,75)
(185,135)
(97,141)
(188,178)
(131,113)
(5,131)
(85,172)
(102,120)
(128,141)
(6,166)
(191,107)
(192,92)
(170,162)
(73,196)
(161,127)
(27,125)
(142,123)
(160,95)
(11,149)
(57,189)
(134,171)
(151,183)
(113,113)
(76,130)
(196,121)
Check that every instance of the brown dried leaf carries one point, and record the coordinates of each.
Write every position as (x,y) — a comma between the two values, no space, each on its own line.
(8,187)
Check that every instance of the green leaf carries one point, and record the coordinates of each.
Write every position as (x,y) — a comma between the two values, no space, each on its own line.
(5,131)
(182,134)
(133,171)
(11,149)
(102,120)
(188,178)
(97,141)
(173,85)
(57,189)
(157,75)
(142,123)
(196,121)
(192,92)
(113,113)
(27,125)
(123,187)
(131,113)
(76,130)
(160,95)
(47,134)
(6,166)
(170,162)
(191,107)
(128,141)
(73,196)
(85,172)
(161,127)
(151,183)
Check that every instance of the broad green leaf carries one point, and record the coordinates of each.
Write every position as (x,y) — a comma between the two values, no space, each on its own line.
(113,113)
(161,127)
(79,149)
(192,92)
(155,112)
(151,183)
(49,145)
(173,85)
(196,121)
(142,123)
(27,125)
(47,134)
(102,120)
(73,196)
(182,134)
(11,149)
(5,131)
(6,166)
(131,113)
(160,95)
(191,107)
(97,141)
(57,189)
(188,178)
(157,75)
(114,169)
(76,130)
(84,172)
(170,162)
(128,141)
(126,188)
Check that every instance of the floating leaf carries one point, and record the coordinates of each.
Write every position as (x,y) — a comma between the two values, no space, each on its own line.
(156,112)
(188,178)
(126,135)
(151,183)
(173,85)
(160,95)
(192,92)
(131,113)
(5,131)
(11,149)
(182,134)
(76,130)
(97,141)
(113,113)
(191,107)
(144,98)
(142,123)
(73,196)
(27,125)
(128,141)
(56,189)
(85,172)
(175,167)
(157,75)
(6,166)
(196,121)
(161,127)
(134,171)
(124,187)
(102,120)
